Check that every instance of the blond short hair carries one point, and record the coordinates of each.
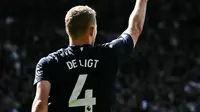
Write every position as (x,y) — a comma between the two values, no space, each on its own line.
(78,19)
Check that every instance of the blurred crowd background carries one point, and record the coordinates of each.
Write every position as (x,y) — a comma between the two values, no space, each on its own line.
(162,75)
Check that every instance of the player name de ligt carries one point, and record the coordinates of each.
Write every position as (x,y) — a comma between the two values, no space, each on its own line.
(89,63)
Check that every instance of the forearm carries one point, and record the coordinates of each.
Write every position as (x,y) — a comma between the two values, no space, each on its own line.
(39,106)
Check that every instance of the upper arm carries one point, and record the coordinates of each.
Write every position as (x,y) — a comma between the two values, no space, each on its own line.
(41,98)
(42,83)
(136,20)
(133,33)
(43,71)
(42,91)
(122,46)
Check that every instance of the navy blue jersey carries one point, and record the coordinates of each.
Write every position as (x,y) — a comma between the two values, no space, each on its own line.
(83,77)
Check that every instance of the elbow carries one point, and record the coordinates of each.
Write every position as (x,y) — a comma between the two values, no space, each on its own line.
(39,106)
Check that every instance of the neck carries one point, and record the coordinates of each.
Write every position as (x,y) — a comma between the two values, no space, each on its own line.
(79,42)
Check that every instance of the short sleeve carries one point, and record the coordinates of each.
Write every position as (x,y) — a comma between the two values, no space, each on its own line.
(123,46)
(42,71)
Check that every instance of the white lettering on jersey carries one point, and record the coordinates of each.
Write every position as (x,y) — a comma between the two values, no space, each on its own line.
(69,64)
(90,63)
(95,63)
(72,64)
(87,63)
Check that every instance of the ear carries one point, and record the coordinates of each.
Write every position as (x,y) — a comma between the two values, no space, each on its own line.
(91,30)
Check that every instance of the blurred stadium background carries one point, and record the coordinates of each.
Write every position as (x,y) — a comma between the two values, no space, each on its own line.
(163,74)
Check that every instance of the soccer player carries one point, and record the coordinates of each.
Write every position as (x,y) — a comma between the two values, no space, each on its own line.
(81,77)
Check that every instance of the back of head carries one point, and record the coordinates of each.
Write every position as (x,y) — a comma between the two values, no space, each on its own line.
(78,19)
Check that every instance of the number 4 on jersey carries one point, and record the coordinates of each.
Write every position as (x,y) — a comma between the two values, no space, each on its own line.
(88,101)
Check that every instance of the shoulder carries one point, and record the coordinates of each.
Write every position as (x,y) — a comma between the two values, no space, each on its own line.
(123,39)
(53,57)
(105,45)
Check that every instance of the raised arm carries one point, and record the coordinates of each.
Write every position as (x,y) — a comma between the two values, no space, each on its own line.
(136,20)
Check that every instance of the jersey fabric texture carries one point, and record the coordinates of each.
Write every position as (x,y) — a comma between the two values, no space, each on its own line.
(78,72)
